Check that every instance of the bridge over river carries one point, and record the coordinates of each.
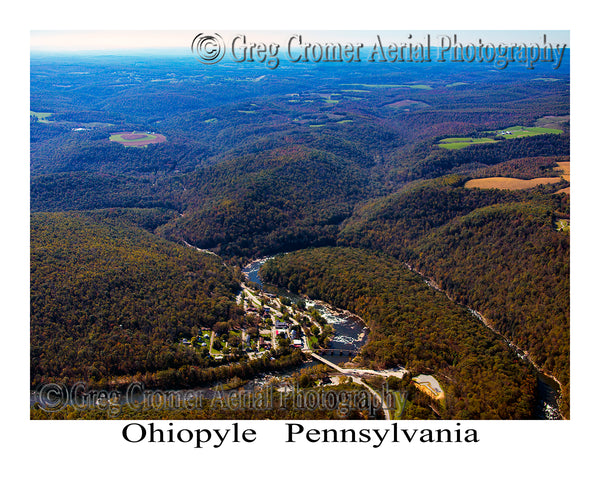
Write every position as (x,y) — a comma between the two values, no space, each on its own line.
(357,373)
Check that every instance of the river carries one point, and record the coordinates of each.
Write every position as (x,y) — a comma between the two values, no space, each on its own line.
(547,388)
(350,335)
(350,332)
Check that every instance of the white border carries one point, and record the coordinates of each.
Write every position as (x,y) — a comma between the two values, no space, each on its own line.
(95,449)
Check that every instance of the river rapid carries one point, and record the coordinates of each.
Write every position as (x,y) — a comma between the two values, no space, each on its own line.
(351,335)
(547,388)
(350,332)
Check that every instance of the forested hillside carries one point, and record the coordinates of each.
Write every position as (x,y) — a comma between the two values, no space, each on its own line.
(110,299)
(414,326)
(261,203)
(497,251)
(356,160)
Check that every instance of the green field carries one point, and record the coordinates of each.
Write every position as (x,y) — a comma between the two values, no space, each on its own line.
(518,131)
(370,85)
(118,137)
(419,87)
(136,139)
(41,116)
(455,143)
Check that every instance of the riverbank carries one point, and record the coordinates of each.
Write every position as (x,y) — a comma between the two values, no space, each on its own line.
(551,412)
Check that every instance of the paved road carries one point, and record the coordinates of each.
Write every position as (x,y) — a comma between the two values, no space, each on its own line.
(355,373)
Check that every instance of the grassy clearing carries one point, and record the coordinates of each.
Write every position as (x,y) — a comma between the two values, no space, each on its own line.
(118,137)
(552,121)
(144,139)
(456,84)
(407,103)
(42,117)
(371,85)
(516,131)
(519,131)
(461,142)
(507,183)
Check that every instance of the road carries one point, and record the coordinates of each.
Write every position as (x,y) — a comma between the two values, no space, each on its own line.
(355,373)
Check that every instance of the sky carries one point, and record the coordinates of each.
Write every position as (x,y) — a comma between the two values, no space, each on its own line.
(174,40)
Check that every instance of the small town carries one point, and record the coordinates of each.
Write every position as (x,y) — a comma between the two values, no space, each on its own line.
(279,323)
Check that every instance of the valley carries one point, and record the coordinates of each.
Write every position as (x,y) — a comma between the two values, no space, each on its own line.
(252,229)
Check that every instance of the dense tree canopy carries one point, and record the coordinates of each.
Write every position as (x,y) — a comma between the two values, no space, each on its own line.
(414,326)
(259,162)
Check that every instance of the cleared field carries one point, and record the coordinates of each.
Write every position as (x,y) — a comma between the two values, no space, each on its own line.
(41,116)
(507,183)
(564,167)
(519,131)
(407,103)
(552,121)
(137,139)
(371,85)
(455,143)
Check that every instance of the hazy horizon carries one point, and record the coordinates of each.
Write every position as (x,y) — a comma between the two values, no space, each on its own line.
(172,42)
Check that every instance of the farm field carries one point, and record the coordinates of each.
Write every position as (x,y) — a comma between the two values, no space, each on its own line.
(137,139)
(564,167)
(552,121)
(370,85)
(519,131)
(41,116)
(506,183)
(407,103)
(455,143)
(235,164)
